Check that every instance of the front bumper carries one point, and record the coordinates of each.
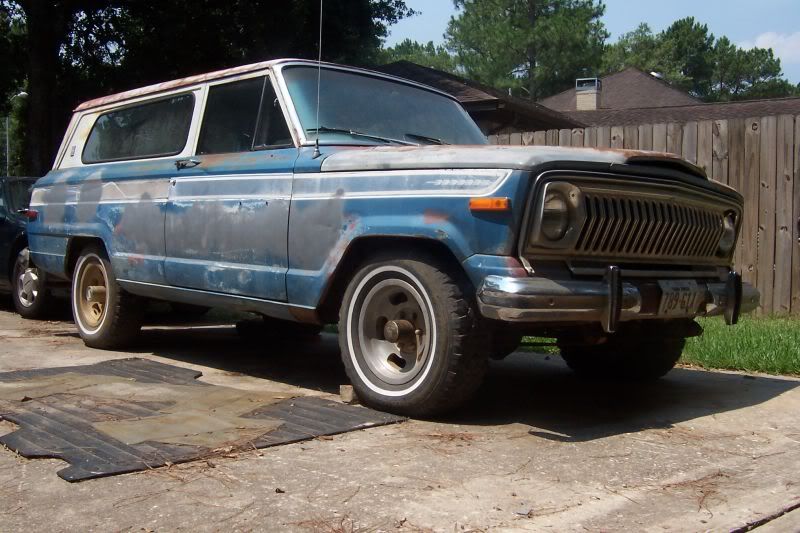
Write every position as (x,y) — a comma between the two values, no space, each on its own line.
(610,301)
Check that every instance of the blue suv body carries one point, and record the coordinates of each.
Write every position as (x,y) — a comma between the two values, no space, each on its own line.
(315,193)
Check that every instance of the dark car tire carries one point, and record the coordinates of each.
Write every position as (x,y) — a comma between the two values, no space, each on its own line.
(106,321)
(430,371)
(275,328)
(640,356)
(503,342)
(29,290)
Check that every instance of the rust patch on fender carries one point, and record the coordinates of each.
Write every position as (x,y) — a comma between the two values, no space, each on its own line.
(431,216)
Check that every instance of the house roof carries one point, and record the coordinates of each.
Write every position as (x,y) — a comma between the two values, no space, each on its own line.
(688,113)
(627,89)
(472,94)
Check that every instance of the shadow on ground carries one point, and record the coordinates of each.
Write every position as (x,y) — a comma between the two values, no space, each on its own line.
(526,388)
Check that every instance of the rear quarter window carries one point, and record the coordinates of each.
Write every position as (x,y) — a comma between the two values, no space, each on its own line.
(152,129)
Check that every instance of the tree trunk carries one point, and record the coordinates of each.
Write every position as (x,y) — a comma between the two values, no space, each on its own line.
(43,22)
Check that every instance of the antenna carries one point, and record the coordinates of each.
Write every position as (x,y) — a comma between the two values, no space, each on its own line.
(316,153)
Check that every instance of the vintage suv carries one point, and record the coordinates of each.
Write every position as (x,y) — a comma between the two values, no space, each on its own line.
(316,193)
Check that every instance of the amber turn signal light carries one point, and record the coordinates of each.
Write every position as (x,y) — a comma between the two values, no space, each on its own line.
(489,204)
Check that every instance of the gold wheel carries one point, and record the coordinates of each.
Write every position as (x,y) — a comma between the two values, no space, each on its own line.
(92,293)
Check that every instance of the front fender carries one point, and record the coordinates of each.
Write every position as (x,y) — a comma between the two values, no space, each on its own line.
(321,230)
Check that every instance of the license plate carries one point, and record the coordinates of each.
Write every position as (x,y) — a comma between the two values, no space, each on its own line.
(679,297)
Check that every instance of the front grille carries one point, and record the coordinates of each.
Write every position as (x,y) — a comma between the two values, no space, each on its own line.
(636,228)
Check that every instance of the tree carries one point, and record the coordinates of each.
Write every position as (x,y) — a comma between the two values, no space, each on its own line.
(78,49)
(428,55)
(537,47)
(690,58)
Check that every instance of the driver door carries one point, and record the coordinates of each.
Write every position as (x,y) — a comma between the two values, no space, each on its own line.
(228,206)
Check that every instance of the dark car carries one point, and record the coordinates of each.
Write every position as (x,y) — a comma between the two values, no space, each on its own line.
(18,275)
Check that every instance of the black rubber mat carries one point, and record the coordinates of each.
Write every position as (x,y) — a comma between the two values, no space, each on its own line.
(62,425)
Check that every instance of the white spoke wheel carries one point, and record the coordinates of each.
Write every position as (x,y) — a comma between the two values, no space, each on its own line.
(107,317)
(29,292)
(410,338)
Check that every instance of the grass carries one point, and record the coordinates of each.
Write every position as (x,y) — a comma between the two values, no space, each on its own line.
(758,344)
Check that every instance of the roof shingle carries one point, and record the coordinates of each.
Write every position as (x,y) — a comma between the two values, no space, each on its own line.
(627,89)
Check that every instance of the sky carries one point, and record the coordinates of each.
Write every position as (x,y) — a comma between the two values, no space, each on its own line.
(765,23)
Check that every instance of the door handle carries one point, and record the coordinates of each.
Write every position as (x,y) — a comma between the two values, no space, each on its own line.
(187,163)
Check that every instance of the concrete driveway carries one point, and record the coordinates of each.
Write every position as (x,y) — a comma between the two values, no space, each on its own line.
(538,449)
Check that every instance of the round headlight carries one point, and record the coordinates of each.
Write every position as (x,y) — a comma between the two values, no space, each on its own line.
(728,239)
(555,216)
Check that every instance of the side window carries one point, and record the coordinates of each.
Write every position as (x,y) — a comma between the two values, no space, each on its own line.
(153,129)
(229,122)
(242,116)
(272,128)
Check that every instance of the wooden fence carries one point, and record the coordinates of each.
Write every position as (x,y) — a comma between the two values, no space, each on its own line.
(759,157)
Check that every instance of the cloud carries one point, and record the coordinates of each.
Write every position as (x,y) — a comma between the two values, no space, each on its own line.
(785,45)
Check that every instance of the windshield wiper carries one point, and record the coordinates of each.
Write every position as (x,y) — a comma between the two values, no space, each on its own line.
(387,140)
(425,138)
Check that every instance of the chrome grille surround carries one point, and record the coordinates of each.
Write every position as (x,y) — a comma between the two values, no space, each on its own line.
(634,220)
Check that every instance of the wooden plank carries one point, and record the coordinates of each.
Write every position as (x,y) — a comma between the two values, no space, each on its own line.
(552,138)
(720,153)
(689,144)
(736,179)
(590,137)
(782,291)
(617,136)
(630,137)
(766,211)
(577,137)
(540,138)
(516,139)
(503,138)
(564,137)
(492,139)
(674,138)
(750,190)
(645,137)
(660,137)
(705,141)
(527,138)
(796,222)
(604,137)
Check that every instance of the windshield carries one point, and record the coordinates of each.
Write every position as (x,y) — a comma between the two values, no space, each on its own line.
(19,193)
(357,108)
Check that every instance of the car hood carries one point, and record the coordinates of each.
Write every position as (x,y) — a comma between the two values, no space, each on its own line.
(490,156)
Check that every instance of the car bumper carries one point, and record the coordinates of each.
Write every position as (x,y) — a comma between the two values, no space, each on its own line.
(610,301)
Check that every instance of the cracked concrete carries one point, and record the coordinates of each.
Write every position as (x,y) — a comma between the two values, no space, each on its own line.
(538,449)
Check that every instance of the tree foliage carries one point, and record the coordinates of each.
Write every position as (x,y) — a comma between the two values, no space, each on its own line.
(691,58)
(537,47)
(72,50)
(428,55)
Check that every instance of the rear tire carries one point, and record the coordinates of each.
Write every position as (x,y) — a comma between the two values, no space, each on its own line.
(107,317)
(29,290)
(640,354)
(440,357)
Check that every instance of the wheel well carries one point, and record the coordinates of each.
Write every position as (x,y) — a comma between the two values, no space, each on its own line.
(20,243)
(358,252)
(74,248)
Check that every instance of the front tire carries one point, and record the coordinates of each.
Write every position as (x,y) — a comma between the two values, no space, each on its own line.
(107,317)
(410,337)
(31,297)
(642,353)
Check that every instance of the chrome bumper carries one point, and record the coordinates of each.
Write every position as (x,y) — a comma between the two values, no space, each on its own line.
(607,302)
